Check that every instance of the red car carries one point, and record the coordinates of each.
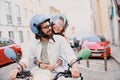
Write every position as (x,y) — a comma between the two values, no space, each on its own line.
(98,44)
(5,42)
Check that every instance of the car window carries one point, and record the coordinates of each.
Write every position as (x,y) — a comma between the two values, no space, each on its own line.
(102,39)
(9,42)
(5,42)
(93,39)
(2,42)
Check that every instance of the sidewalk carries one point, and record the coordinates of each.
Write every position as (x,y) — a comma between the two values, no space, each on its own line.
(115,53)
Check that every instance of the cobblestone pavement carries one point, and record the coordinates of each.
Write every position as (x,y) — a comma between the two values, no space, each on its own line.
(96,71)
(4,71)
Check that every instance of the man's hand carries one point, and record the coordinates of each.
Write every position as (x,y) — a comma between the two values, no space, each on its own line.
(74,70)
(12,75)
(75,73)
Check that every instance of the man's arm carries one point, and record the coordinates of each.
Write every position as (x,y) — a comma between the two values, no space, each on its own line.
(21,66)
(14,72)
(75,71)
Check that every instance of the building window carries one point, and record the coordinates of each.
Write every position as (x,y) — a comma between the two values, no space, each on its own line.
(11,34)
(21,36)
(39,1)
(0,34)
(31,13)
(28,33)
(8,12)
(25,13)
(9,19)
(118,1)
(19,20)
(18,14)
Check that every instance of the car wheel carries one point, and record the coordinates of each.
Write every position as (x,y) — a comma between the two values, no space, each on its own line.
(109,57)
(19,56)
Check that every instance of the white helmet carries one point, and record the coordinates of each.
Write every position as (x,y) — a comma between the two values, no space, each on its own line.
(54,20)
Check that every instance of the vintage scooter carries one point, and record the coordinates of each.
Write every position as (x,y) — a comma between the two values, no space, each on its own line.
(27,75)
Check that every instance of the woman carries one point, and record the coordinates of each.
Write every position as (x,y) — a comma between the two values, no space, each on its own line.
(59,24)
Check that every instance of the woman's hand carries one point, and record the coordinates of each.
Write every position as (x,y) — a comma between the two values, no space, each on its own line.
(51,67)
(44,66)
(13,74)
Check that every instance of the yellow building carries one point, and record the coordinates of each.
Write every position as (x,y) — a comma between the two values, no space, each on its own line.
(104,21)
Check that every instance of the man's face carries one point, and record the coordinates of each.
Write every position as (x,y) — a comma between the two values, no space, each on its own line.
(46,28)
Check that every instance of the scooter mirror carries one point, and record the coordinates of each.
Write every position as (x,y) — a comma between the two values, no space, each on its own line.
(9,53)
(84,54)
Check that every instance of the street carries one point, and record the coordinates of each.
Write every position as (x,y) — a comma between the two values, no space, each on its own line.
(95,71)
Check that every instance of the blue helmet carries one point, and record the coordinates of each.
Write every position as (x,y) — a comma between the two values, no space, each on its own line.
(35,23)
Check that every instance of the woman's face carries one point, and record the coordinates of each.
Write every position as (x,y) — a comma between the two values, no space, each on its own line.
(58,26)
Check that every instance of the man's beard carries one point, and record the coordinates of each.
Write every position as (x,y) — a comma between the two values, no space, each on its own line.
(48,35)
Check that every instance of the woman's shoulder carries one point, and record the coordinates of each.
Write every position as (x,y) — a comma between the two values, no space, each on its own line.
(59,37)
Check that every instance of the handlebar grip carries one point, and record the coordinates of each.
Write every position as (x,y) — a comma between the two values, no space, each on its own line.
(66,75)
(23,74)
(81,76)
(19,75)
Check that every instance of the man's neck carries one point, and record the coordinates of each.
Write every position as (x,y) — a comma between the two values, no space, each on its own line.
(44,39)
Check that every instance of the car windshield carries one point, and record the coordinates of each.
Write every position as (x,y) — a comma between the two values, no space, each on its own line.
(95,39)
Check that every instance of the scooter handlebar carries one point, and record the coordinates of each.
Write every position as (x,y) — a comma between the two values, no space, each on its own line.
(66,74)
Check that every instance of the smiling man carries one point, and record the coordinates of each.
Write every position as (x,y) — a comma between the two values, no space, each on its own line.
(46,51)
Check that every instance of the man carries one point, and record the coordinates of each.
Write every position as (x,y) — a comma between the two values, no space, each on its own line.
(47,51)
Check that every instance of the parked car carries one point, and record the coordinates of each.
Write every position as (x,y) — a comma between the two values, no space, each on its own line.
(98,44)
(5,42)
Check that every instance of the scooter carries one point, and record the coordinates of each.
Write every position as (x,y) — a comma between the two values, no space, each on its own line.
(26,74)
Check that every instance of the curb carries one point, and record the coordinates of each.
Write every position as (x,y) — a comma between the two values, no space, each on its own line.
(115,59)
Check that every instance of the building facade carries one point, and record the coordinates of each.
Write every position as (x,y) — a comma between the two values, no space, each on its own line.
(15,16)
(106,20)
